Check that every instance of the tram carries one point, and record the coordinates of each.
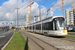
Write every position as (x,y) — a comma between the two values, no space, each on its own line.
(54,26)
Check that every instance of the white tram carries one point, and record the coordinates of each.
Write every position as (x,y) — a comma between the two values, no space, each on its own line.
(54,26)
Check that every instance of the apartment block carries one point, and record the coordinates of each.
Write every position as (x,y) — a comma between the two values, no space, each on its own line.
(67,17)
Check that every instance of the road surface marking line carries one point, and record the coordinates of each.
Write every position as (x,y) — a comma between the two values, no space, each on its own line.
(2,36)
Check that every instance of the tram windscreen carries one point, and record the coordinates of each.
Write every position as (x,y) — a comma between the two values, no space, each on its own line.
(60,23)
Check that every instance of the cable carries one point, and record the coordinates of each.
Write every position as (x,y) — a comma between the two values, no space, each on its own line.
(44,2)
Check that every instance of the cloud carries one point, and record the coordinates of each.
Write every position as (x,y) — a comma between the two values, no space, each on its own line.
(33,0)
(59,2)
(8,11)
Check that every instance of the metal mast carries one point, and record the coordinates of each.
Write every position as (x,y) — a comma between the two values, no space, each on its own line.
(30,14)
(17,18)
(15,23)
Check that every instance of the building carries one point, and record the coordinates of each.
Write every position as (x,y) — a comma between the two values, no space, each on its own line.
(71,18)
(51,13)
(67,17)
(74,16)
(27,20)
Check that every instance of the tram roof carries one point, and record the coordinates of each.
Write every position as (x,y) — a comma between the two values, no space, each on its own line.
(47,19)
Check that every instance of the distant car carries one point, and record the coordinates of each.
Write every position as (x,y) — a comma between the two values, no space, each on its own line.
(73,29)
(69,29)
(6,29)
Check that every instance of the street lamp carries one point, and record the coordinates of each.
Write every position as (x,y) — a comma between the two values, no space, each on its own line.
(17,18)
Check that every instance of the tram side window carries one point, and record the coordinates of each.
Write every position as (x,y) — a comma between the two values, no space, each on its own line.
(48,26)
(38,27)
(43,26)
(51,25)
(30,27)
(27,27)
(33,26)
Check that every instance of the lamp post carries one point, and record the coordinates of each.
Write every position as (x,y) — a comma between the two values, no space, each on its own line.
(17,19)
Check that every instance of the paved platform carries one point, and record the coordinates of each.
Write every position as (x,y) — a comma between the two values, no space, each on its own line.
(34,45)
(58,43)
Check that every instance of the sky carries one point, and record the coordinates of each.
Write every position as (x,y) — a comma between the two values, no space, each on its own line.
(8,12)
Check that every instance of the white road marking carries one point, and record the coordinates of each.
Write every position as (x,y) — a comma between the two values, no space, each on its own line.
(2,36)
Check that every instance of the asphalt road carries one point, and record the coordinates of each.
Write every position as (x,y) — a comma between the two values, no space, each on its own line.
(4,37)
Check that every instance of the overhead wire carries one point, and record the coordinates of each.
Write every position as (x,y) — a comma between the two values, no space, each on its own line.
(44,2)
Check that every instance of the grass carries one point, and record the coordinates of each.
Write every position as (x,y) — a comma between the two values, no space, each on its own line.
(69,35)
(17,43)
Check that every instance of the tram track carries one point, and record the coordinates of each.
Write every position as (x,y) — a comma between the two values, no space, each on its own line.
(47,43)
(64,38)
(34,41)
(40,42)
(68,39)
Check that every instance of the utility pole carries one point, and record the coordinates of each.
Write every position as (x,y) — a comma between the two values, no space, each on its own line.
(40,19)
(30,14)
(21,24)
(17,18)
(40,14)
(27,20)
(15,23)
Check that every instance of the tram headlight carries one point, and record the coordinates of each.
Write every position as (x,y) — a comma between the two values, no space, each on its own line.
(56,19)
